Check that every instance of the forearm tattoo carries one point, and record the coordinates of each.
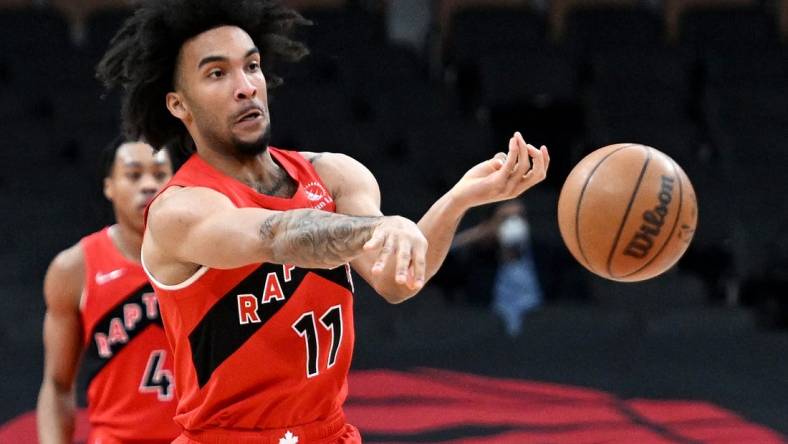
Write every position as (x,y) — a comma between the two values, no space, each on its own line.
(316,238)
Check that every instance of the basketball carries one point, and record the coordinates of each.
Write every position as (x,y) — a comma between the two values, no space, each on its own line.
(627,212)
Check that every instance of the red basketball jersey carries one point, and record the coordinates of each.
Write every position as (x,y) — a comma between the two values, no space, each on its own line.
(127,357)
(265,346)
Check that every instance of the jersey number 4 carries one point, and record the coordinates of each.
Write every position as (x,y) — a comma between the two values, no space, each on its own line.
(306,328)
(156,378)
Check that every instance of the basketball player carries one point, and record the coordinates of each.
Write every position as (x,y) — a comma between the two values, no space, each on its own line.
(99,302)
(248,246)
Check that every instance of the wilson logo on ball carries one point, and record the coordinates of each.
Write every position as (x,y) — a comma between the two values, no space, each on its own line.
(653,220)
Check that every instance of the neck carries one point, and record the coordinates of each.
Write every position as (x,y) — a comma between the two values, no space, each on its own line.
(241,167)
(127,240)
(259,171)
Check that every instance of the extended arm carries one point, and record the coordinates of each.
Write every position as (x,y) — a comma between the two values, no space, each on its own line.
(356,192)
(359,194)
(503,177)
(62,347)
(192,227)
(316,238)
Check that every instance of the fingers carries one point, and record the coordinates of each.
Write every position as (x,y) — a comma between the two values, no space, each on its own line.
(524,150)
(546,156)
(406,253)
(498,161)
(541,159)
(411,263)
(383,256)
(419,265)
(511,157)
(403,261)
(510,176)
(535,154)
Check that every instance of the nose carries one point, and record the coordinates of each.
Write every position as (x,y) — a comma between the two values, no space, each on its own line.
(245,89)
(148,184)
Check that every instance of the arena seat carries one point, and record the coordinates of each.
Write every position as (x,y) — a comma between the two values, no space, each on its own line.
(591,30)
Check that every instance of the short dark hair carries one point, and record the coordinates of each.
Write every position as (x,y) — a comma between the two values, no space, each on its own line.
(108,155)
(142,56)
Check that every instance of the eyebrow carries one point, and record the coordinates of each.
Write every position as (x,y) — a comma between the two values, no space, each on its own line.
(215,58)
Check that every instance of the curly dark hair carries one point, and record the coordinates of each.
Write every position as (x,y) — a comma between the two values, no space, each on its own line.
(142,57)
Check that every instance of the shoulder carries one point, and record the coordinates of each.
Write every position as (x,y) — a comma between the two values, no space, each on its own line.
(342,173)
(178,204)
(65,278)
(70,260)
(332,161)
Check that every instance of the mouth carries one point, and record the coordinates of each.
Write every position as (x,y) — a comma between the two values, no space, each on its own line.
(145,202)
(250,114)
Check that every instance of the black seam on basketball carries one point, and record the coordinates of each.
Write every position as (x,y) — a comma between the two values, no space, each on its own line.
(580,201)
(626,214)
(675,223)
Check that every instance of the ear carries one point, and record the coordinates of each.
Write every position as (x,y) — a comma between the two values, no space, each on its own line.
(176,106)
(109,190)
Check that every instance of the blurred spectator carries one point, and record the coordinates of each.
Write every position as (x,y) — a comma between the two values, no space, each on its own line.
(492,263)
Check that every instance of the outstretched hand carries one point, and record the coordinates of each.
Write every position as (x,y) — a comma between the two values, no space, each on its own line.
(505,176)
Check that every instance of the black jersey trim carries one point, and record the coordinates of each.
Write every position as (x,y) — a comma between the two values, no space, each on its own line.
(93,361)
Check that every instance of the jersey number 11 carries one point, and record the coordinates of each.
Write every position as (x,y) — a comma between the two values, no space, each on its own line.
(306,328)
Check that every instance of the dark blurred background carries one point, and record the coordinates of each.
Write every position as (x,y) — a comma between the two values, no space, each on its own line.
(420,91)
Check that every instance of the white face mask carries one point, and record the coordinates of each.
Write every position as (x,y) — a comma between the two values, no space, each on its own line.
(513,231)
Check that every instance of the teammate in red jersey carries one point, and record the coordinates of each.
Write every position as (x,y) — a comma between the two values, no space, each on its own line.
(100,303)
(247,247)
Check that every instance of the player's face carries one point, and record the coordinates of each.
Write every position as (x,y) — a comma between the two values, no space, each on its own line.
(137,175)
(223,91)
